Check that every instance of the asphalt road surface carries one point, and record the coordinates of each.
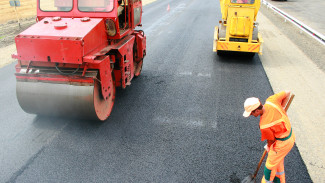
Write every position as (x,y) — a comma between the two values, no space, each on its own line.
(180,121)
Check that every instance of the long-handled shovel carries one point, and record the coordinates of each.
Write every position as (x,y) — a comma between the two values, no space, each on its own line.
(252,178)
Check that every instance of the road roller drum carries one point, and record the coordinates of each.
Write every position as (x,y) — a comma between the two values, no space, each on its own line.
(51,99)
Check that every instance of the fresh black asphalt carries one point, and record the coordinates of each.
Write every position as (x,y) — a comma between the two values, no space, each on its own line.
(180,121)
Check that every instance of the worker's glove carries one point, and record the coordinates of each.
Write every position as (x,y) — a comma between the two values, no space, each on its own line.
(266,147)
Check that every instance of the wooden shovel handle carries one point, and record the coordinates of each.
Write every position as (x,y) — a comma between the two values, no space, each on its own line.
(259,163)
(289,102)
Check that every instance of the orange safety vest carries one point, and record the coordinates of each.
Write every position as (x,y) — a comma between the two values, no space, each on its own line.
(284,120)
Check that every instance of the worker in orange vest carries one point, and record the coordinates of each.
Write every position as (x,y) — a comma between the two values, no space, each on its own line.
(276,129)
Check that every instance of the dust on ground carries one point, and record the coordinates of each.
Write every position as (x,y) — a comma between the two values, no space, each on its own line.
(9,30)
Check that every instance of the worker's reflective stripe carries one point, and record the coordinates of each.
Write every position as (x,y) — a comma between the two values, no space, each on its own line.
(286,138)
(274,122)
(267,181)
(276,180)
(275,106)
(277,121)
(282,119)
(267,174)
(271,124)
(280,173)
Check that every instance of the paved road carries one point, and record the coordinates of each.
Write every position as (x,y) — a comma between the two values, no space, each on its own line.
(181,121)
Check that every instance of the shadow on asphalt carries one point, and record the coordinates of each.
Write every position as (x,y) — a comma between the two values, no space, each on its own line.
(236,57)
(46,122)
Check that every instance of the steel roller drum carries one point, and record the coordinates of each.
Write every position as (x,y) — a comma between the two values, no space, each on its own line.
(65,100)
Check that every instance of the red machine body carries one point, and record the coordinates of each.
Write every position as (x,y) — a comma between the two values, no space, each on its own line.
(71,60)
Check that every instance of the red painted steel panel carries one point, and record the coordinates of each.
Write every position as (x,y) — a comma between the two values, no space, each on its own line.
(74,27)
(49,50)
(96,39)
(63,41)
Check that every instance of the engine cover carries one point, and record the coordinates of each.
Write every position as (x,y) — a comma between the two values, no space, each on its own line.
(58,40)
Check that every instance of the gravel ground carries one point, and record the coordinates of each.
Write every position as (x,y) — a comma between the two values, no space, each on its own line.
(9,30)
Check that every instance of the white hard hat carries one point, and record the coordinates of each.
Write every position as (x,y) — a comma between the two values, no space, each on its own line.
(250,105)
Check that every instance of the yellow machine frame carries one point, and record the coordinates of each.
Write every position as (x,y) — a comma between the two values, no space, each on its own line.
(238,29)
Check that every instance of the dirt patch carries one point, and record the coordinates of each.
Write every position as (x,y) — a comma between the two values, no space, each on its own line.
(9,26)
(26,9)
(9,30)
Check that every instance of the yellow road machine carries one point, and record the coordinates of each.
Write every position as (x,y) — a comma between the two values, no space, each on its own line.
(238,29)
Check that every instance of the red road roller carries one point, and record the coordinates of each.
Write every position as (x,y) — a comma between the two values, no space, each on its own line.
(72,59)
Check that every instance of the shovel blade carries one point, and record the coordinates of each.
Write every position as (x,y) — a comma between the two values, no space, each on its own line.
(249,179)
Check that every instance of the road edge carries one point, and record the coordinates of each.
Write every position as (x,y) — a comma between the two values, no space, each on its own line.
(288,67)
